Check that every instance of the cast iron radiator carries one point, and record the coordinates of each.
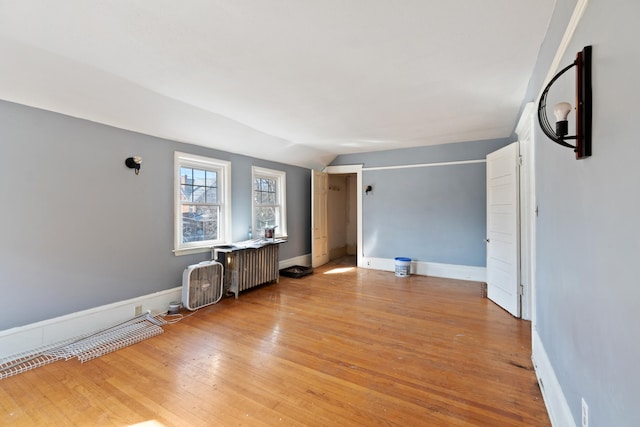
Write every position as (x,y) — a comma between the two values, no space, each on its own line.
(248,267)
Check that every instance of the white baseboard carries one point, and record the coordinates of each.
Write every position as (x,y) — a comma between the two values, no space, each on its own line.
(35,335)
(29,337)
(555,400)
(26,338)
(449,271)
(304,260)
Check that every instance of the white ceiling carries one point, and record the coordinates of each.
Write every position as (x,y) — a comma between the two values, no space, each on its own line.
(296,81)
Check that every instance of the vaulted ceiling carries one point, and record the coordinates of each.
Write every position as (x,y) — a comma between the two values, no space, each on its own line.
(296,81)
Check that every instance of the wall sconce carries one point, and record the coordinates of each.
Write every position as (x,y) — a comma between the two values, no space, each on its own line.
(562,109)
(368,190)
(134,163)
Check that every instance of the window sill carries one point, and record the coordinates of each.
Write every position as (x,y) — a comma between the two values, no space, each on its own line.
(191,251)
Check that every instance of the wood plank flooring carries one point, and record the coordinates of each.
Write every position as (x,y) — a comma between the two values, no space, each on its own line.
(342,347)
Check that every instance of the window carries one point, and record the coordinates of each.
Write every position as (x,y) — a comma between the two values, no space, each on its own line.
(269,201)
(202,205)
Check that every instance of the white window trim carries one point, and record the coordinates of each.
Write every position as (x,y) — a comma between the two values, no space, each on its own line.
(281,179)
(224,186)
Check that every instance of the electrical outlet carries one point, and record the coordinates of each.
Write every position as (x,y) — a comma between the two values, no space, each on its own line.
(368,263)
(585,413)
(138,310)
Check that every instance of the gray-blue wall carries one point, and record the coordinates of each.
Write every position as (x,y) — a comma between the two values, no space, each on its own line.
(79,229)
(588,233)
(430,214)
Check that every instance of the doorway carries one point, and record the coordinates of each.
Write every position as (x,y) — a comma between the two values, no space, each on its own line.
(342,219)
(343,214)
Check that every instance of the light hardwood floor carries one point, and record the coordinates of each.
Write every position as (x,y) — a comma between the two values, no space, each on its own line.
(337,348)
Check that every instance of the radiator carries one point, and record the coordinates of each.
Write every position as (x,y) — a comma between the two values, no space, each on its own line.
(248,267)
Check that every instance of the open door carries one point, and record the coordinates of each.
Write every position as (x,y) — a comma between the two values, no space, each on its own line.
(319,226)
(503,235)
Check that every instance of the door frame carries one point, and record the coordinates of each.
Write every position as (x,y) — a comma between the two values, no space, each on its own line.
(524,131)
(357,170)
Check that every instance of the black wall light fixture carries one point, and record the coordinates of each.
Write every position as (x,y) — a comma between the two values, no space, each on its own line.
(134,163)
(582,136)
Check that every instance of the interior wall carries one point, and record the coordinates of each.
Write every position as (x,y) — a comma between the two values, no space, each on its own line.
(588,235)
(80,229)
(430,214)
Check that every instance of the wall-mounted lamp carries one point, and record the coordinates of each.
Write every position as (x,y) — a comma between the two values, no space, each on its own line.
(368,190)
(562,109)
(134,163)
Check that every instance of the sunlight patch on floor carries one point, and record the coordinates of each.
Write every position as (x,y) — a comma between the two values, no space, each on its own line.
(339,270)
(150,423)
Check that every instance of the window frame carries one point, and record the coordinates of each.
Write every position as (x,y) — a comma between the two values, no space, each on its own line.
(223,169)
(281,195)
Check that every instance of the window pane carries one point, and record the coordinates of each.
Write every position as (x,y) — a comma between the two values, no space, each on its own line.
(199,223)
(198,194)
(186,193)
(211,195)
(198,177)
(265,191)
(211,179)
(186,175)
(265,217)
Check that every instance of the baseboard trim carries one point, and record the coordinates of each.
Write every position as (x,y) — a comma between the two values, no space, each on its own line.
(304,260)
(26,338)
(554,399)
(449,271)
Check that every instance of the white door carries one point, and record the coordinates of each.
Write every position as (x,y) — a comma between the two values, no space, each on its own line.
(503,245)
(319,226)
(524,130)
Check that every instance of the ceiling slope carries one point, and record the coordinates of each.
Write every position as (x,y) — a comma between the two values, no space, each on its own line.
(292,81)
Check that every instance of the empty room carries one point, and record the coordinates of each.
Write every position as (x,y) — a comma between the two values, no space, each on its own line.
(364,212)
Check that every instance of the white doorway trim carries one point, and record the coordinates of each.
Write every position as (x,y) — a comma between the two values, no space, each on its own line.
(353,169)
(524,130)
